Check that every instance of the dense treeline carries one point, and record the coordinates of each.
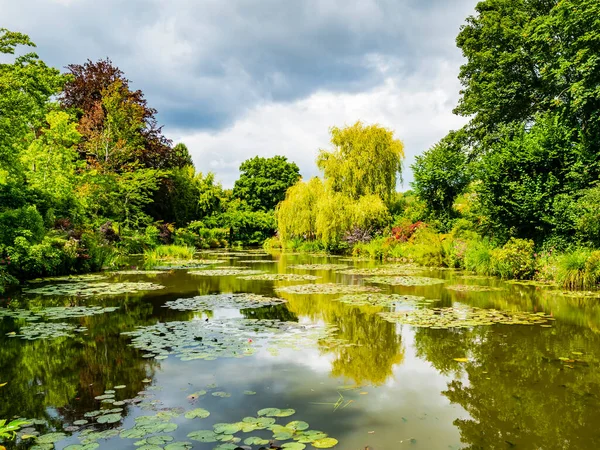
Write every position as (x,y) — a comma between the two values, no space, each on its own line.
(515,192)
(86,174)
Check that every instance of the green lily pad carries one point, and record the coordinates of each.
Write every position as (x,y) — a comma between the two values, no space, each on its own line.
(93,289)
(109,418)
(226,428)
(179,446)
(286,412)
(384,300)
(269,412)
(203,436)
(318,266)
(325,443)
(238,301)
(224,272)
(298,425)
(326,288)
(293,446)
(280,277)
(199,413)
(51,438)
(249,393)
(473,288)
(159,440)
(405,281)
(221,394)
(254,440)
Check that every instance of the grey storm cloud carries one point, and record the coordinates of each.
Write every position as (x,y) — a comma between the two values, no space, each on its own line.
(203,64)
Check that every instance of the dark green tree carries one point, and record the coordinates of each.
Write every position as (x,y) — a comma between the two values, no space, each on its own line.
(264,181)
(441,174)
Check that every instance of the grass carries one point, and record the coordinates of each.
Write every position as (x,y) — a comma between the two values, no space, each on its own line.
(579,269)
(478,258)
(166,252)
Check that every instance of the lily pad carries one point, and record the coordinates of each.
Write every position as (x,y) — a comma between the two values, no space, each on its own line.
(209,302)
(280,277)
(318,266)
(199,413)
(50,330)
(224,272)
(461,317)
(109,418)
(221,394)
(473,288)
(405,281)
(325,443)
(226,428)
(254,440)
(326,288)
(383,271)
(385,300)
(81,289)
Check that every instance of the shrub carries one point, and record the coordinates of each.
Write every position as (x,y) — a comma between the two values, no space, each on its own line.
(514,260)
(26,222)
(478,257)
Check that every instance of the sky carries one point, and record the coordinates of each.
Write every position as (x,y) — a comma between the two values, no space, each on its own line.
(237,78)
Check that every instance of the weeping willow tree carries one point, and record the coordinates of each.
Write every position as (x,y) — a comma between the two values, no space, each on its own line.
(365,160)
(296,215)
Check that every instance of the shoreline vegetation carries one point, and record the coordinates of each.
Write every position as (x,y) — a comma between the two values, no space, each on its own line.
(87,177)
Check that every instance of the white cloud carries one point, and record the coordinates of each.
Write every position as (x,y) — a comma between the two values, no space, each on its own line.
(417,108)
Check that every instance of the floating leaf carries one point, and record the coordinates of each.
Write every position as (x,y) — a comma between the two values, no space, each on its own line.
(405,281)
(286,412)
(203,436)
(269,412)
(238,301)
(51,438)
(385,300)
(199,413)
(280,277)
(473,288)
(297,425)
(221,394)
(224,272)
(319,266)
(326,288)
(93,289)
(253,440)
(109,418)
(249,393)
(226,428)
(325,443)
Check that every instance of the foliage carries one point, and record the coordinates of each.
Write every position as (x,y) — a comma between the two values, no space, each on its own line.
(579,269)
(25,222)
(514,260)
(441,174)
(296,216)
(365,160)
(263,181)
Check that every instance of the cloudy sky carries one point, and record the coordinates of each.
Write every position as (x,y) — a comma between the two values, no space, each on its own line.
(238,78)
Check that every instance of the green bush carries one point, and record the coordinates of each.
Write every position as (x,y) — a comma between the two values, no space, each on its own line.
(26,222)
(514,260)
(478,257)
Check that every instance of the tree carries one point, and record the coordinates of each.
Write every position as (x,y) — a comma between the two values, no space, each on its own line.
(50,160)
(365,160)
(526,57)
(440,175)
(99,90)
(26,87)
(296,215)
(264,181)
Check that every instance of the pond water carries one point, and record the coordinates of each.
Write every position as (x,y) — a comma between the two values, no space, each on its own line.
(330,370)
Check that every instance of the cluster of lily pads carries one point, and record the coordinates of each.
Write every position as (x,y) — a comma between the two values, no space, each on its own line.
(56,312)
(382,271)
(405,281)
(384,300)
(227,338)
(280,277)
(297,432)
(138,272)
(258,261)
(176,264)
(473,288)
(326,288)
(225,272)
(85,289)
(319,266)
(71,278)
(50,330)
(462,317)
(209,302)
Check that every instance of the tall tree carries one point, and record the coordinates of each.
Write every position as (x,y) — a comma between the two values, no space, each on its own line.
(441,174)
(264,181)
(365,160)
(26,87)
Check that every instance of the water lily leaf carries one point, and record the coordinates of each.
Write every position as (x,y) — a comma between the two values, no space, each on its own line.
(90,446)
(269,412)
(133,433)
(293,446)
(221,394)
(326,288)
(473,288)
(237,301)
(203,436)
(159,440)
(227,428)
(51,438)
(254,440)
(298,425)
(199,413)
(224,272)
(325,443)
(405,281)
(249,393)
(286,412)
(80,422)
(318,266)
(109,418)
(280,277)
(83,289)
(179,446)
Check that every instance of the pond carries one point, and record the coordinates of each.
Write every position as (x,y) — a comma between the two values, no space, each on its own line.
(250,350)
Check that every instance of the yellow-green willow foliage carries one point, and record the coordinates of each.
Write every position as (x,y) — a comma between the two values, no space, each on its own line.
(311,211)
(296,215)
(365,160)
